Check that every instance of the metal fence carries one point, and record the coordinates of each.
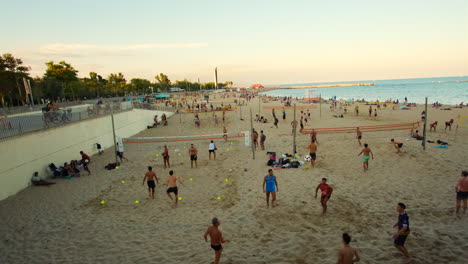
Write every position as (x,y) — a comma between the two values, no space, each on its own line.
(150,106)
(19,124)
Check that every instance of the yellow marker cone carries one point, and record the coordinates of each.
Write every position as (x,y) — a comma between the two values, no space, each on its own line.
(117,167)
(181,163)
(190,179)
(137,202)
(179,154)
(226,180)
(157,155)
(219,197)
(103,202)
(122,181)
(228,149)
(180,198)
(306,167)
(231,143)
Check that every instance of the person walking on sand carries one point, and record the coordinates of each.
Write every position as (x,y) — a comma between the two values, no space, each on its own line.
(449,125)
(365,158)
(294,125)
(399,237)
(255,138)
(433,126)
(276,122)
(225,136)
(370,110)
(356,110)
(398,145)
(165,155)
(462,192)
(313,136)
(85,160)
(270,185)
(375,114)
(262,140)
(313,153)
(347,254)
(358,135)
(120,152)
(284,114)
(216,239)
(212,149)
(193,155)
(171,183)
(150,177)
(326,194)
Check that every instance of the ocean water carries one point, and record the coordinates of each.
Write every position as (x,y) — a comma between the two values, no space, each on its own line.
(442,89)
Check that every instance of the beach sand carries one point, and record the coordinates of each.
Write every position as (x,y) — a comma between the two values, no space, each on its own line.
(66,223)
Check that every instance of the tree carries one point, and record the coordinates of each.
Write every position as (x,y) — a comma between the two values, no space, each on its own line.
(163,81)
(62,72)
(116,83)
(140,86)
(11,71)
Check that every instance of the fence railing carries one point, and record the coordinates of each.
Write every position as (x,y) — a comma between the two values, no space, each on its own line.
(11,126)
(156,107)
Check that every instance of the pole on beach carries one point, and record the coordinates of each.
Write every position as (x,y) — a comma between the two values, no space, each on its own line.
(456,129)
(113,133)
(180,122)
(240,111)
(258,104)
(251,134)
(320,106)
(425,124)
(294,131)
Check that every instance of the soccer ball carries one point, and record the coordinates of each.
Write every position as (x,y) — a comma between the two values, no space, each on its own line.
(307,157)
(86,161)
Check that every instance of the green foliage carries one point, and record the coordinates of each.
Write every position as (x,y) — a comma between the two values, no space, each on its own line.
(163,81)
(12,73)
(62,72)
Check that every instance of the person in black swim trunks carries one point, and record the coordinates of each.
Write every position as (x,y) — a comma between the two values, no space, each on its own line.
(397,145)
(171,182)
(312,152)
(150,177)
(193,155)
(216,238)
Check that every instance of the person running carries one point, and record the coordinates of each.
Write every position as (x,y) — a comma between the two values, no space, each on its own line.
(150,177)
(313,136)
(216,239)
(449,125)
(398,145)
(284,114)
(225,136)
(212,149)
(193,155)
(399,237)
(358,135)
(462,192)
(165,155)
(270,185)
(120,152)
(370,110)
(433,126)
(85,160)
(326,194)
(366,157)
(262,140)
(313,153)
(255,138)
(347,254)
(171,183)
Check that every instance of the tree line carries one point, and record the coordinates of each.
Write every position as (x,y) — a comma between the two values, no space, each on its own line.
(60,82)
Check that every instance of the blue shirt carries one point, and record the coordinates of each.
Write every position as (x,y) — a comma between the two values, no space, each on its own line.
(270,183)
(403,220)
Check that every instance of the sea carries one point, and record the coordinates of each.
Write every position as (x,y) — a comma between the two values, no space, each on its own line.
(444,90)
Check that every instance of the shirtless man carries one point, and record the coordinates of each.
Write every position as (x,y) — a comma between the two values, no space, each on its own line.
(397,145)
(370,110)
(365,158)
(312,152)
(433,126)
(150,177)
(225,134)
(224,116)
(216,239)
(313,136)
(294,125)
(326,194)
(193,155)
(449,125)
(359,135)
(255,138)
(347,254)
(356,109)
(262,140)
(171,183)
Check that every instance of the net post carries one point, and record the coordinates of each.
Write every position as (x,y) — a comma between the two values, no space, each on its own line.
(251,133)
(113,133)
(425,125)
(294,131)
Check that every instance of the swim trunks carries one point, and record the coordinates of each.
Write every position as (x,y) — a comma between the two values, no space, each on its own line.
(313,156)
(359,137)
(193,157)
(211,150)
(400,145)
(365,158)
(462,196)
(151,184)
(400,240)
(216,248)
(173,189)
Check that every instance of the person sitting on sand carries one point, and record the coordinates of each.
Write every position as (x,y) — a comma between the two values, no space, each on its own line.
(171,183)
(347,254)
(433,126)
(398,145)
(365,158)
(326,194)
(449,125)
(403,231)
(216,239)
(270,185)
(37,181)
(462,192)
(417,136)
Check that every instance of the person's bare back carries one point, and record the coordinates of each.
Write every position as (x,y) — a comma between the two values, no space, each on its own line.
(171,181)
(216,236)
(366,151)
(346,255)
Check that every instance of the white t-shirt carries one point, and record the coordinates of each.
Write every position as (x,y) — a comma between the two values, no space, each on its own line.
(36,178)
(212,146)
(121,148)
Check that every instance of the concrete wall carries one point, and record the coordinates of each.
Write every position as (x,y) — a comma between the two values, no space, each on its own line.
(21,156)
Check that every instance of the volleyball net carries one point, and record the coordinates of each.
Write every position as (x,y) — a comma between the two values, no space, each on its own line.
(194,138)
(376,128)
(289,107)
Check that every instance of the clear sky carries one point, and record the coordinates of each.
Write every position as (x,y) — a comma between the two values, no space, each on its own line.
(268,42)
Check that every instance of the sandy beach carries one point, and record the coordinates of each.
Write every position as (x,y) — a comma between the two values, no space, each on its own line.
(66,223)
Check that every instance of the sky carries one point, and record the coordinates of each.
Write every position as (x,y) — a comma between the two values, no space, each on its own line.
(254,41)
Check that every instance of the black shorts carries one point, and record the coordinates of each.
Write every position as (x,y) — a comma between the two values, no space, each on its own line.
(462,196)
(193,157)
(211,150)
(120,154)
(216,248)
(325,196)
(313,156)
(151,184)
(400,145)
(85,164)
(400,240)
(359,137)
(173,189)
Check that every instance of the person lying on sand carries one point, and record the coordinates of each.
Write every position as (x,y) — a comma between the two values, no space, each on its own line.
(398,145)
(347,254)
(216,239)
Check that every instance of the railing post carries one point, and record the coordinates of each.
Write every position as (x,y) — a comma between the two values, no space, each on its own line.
(79,115)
